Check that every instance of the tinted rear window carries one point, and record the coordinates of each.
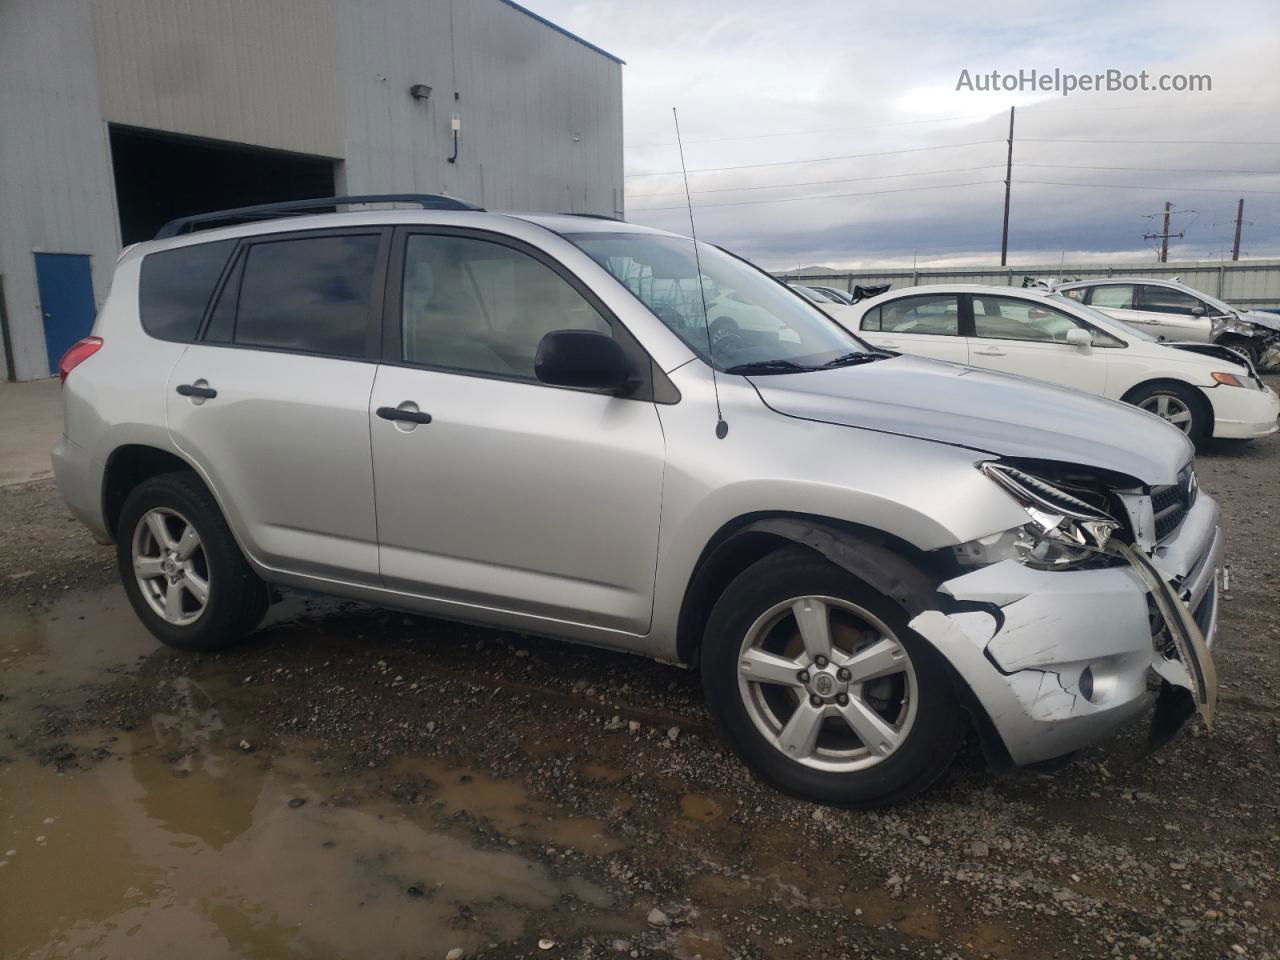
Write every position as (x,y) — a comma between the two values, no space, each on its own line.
(310,295)
(176,286)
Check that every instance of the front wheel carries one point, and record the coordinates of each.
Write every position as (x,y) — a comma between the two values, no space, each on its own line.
(822,688)
(182,569)
(1179,404)
(1245,347)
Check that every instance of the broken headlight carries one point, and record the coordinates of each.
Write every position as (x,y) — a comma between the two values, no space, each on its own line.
(1062,530)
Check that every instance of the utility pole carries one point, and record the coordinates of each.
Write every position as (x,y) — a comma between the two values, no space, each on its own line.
(1164,234)
(1235,247)
(1008,182)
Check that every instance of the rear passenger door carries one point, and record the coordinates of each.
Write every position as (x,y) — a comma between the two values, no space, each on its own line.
(272,400)
(926,325)
(505,499)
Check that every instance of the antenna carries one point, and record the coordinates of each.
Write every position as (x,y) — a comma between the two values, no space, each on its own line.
(722,428)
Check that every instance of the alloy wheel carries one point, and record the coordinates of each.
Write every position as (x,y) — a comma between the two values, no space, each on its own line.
(1170,408)
(827,684)
(170,565)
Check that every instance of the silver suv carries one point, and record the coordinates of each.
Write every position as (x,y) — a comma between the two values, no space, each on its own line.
(528,422)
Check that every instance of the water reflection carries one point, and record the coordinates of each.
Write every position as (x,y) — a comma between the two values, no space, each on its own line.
(182,844)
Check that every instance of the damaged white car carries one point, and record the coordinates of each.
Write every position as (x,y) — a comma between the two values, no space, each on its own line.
(1170,310)
(528,422)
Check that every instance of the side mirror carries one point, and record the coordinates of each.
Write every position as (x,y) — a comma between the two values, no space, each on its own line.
(1080,338)
(584,359)
(1197,311)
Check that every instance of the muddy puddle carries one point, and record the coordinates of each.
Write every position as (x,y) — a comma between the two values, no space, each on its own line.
(177,840)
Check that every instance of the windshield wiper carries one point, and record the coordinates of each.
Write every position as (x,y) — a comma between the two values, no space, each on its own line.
(853,359)
(770,366)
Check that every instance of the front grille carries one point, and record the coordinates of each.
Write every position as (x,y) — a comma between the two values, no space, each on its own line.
(1169,509)
(1170,504)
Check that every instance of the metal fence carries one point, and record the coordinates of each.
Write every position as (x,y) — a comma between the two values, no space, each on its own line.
(1245,283)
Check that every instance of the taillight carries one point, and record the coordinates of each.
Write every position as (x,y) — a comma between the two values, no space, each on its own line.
(76,354)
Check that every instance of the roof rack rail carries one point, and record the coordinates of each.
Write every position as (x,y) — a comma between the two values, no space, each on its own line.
(273,211)
(594,216)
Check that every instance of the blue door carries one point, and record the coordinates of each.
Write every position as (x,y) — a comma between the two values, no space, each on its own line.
(66,301)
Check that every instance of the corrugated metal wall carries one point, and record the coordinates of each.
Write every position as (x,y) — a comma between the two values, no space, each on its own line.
(248,71)
(56,191)
(541,112)
(1246,283)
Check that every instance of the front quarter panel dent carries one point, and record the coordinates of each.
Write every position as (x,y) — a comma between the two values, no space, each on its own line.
(1022,660)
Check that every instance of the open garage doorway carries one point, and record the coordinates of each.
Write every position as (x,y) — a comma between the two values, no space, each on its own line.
(160,176)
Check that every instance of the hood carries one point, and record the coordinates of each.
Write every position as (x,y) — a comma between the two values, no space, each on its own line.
(992,413)
(1214,351)
(1260,317)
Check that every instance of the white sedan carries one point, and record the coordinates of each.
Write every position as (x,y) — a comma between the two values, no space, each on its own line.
(1203,389)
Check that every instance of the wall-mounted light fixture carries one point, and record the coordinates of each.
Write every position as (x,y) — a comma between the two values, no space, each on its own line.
(420,91)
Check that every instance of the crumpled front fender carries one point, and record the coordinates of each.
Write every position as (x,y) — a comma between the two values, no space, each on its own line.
(1060,659)
(1023,656)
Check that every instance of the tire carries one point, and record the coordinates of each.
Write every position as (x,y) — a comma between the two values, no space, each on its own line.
(839,769)
(235,600)
(1178,400)
(1245,347)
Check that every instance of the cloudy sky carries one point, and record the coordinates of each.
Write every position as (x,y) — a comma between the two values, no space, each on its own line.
(918,164)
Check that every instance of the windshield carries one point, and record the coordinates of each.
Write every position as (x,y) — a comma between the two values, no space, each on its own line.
(755,321)
(1103,320)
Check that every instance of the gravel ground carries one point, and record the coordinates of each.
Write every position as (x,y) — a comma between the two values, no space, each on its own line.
(631,792)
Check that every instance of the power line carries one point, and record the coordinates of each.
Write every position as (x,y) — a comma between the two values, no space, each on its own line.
(803,133)
(1077,166)
(930,173)
(812,183)
(1135,186)
(786,163)
(823,196)
(1209,143)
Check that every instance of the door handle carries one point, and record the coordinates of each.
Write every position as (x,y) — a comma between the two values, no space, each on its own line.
(411,416)
(989,352)
(191,390)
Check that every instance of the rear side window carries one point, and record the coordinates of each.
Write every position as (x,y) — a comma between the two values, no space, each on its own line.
(934,315)
(309,295)
(1114,296)
(175,288)
(871,319)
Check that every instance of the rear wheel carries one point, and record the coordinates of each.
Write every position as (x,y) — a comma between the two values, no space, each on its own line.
(182,569)
(821,686)
(1179,404)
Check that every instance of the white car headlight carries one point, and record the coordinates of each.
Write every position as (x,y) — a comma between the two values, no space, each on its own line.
(1062,531)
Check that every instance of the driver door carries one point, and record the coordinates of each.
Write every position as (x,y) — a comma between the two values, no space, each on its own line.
(1174,314)
(527,504)
(1028,338)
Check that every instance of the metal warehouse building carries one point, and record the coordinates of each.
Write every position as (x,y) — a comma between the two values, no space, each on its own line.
(117,115)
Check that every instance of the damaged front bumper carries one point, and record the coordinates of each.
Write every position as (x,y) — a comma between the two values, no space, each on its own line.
(1060,659)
